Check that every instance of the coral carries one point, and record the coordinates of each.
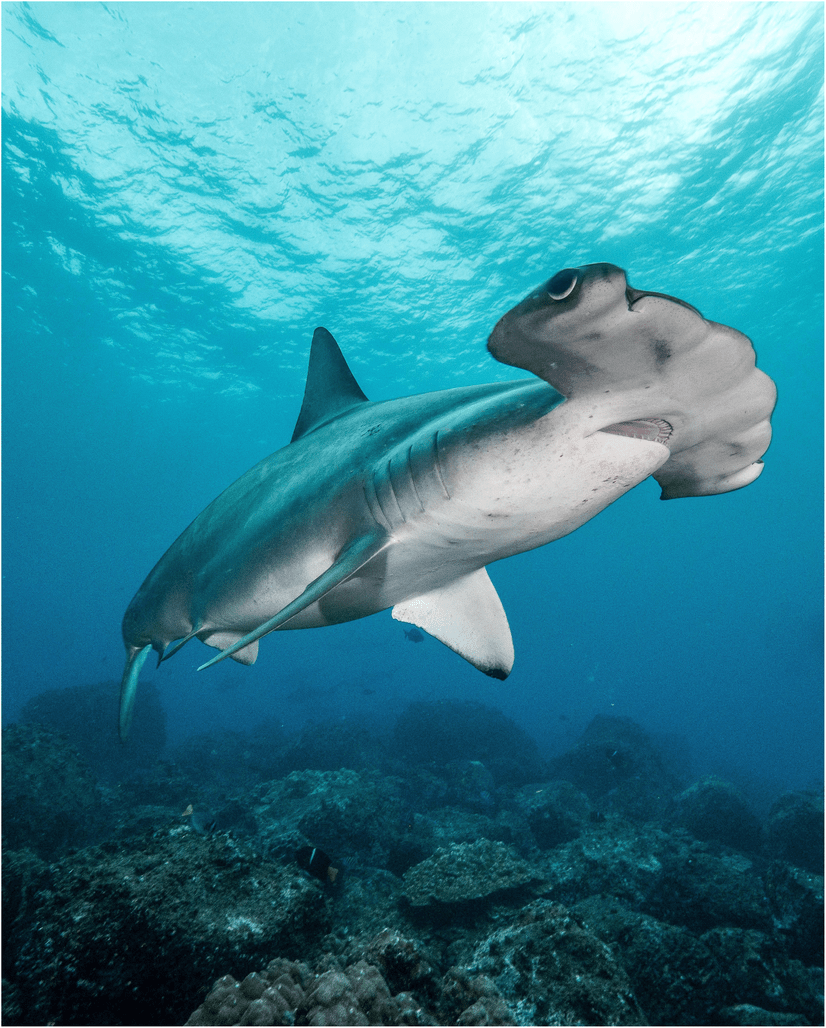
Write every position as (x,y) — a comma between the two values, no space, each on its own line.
(287,993)
(462,899)
(466,871)
(714,809)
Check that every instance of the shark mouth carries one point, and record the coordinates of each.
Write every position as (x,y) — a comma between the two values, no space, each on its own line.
(654,430)
(632,295)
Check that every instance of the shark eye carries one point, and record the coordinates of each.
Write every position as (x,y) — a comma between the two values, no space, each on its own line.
(562,284)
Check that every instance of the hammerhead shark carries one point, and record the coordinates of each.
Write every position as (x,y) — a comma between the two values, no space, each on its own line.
(403,503)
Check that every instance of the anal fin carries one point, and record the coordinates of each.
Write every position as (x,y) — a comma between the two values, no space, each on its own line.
(467,616)
(220,640)
(351,560)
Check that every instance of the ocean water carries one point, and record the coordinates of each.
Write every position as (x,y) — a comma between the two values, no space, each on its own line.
(190,189)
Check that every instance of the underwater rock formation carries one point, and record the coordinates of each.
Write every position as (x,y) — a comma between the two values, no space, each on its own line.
(446,731)
(794,830)
(619,769)
(464,872)
(50,796)
(78,713)
(461,898)
(115,926)
(552,970)
(556,812)
(714,809)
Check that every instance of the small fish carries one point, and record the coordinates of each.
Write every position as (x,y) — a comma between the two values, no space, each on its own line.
(413,635)
(203,823)
(317,863)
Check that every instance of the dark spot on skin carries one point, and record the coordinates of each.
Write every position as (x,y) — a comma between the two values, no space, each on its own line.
(662,351)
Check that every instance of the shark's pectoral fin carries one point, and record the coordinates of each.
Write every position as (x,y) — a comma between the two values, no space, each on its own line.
(467,616)
(129,686)
(351,560)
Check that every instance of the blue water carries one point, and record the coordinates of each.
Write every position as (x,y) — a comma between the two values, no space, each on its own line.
(189,189)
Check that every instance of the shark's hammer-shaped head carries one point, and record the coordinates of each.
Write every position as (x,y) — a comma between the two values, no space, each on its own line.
(624,354)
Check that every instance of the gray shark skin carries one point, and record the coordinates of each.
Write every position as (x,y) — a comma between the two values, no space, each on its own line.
(403,503)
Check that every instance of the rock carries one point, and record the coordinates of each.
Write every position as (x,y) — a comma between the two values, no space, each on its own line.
(714,810)
(616,765)
(551,970)
(556,812)
(796,899)
(221,759)
(758,972)
(466,871)
(50,796)
(405,962)
(123,933)
(448,730)
(87,716)
(331,745)
(794,830)
(346,813)
(679,978)
(674,879)
(472,1000)
(701,889)
(746,1013)
(675,976)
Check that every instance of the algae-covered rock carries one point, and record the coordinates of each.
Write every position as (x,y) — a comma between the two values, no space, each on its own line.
(556,812)
(347,813)
(551,970)
(794,830)
(50,796)
(796,899)
(714,809)
(466,871)
(126,936)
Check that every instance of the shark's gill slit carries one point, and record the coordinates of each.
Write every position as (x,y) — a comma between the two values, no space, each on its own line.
(372,497)
(655,430)
(392,489)
(412,477)
(437,467)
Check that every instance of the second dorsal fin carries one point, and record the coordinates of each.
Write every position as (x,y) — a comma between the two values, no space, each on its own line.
(331,388)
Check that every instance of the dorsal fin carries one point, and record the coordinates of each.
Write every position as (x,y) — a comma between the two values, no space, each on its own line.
(331,388)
